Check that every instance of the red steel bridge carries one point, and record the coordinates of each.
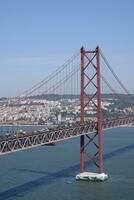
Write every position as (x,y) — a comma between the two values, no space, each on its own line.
(81,75)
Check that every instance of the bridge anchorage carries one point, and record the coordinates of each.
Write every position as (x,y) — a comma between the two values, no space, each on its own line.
(91,94)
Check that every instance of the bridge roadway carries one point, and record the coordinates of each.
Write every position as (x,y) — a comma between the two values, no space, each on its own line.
(37,138)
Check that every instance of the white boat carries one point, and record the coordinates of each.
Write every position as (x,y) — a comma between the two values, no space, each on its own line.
(89,176)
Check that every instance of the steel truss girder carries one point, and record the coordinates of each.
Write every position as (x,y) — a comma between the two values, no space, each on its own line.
(35,139)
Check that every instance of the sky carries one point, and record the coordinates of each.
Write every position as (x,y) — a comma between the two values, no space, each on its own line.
(37,36)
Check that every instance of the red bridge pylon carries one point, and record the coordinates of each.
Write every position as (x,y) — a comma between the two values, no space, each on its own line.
(91,95)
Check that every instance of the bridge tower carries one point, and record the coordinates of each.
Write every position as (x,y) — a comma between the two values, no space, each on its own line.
(91,77)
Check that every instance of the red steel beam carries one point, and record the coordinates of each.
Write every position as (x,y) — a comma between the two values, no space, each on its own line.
(99,114)
(82,110)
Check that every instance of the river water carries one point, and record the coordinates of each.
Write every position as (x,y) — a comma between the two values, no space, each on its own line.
(47,173)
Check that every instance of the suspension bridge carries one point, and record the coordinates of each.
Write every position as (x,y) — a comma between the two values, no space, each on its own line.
(81,76)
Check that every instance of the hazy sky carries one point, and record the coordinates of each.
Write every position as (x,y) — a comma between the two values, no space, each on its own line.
(36,36)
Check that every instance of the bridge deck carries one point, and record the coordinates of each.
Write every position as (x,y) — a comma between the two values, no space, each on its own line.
(34,139)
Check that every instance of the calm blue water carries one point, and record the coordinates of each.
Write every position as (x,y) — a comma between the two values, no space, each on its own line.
(47,173)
